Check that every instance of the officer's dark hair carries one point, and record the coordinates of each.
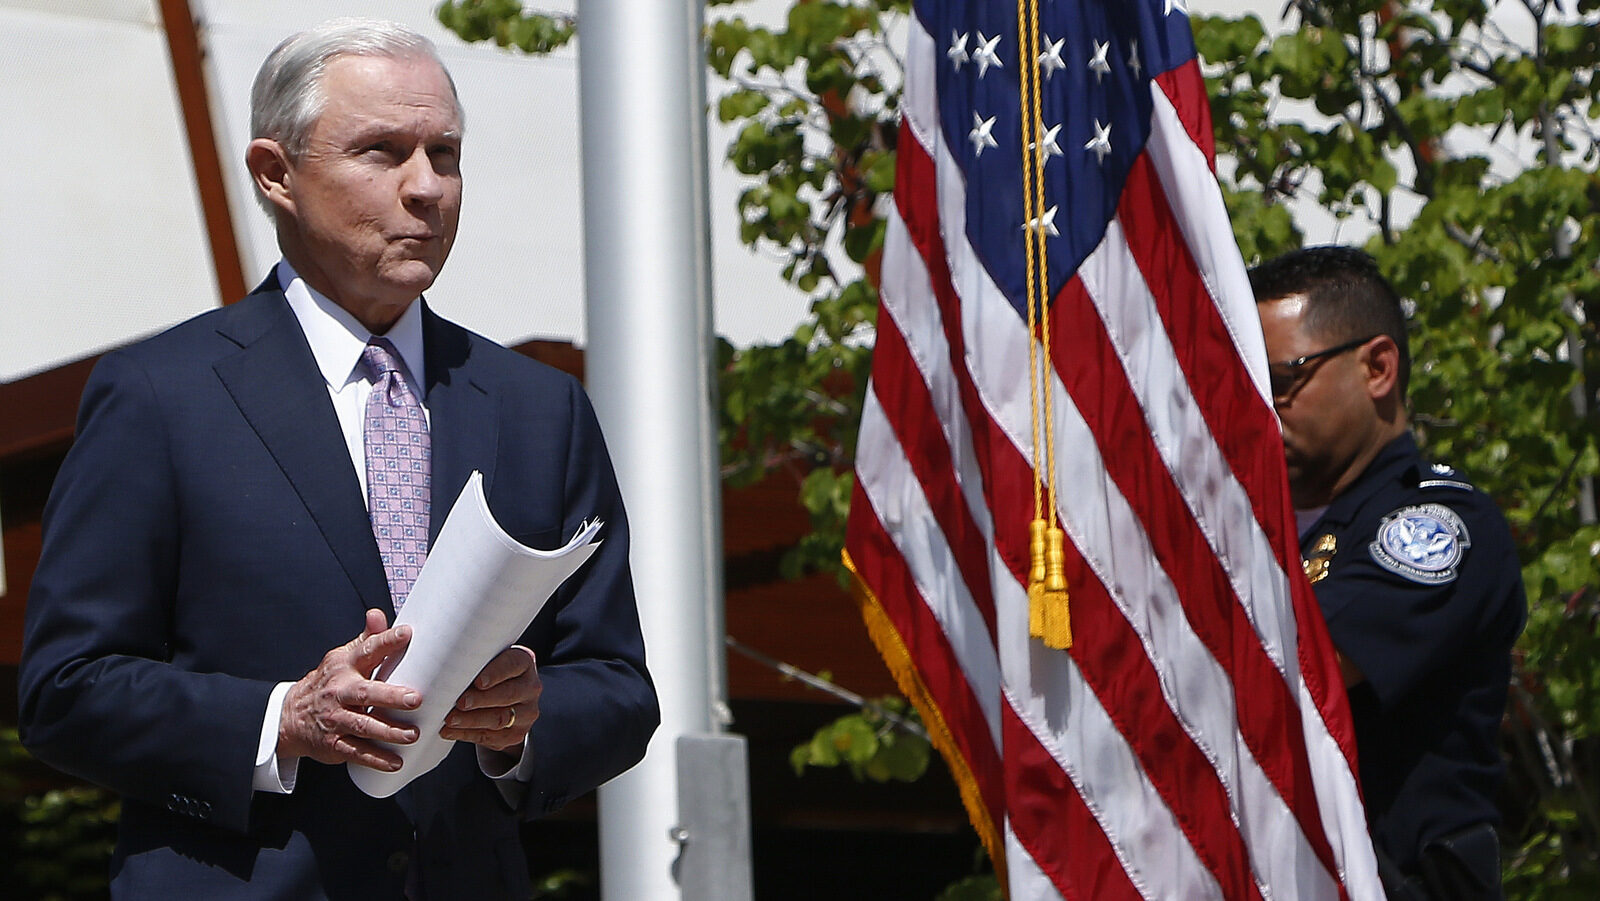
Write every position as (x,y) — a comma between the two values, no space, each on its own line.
(1347,298)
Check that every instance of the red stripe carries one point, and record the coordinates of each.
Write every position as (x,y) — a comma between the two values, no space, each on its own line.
(1245,428)
(1051,821)
(909,409)
(1008,488)
(1046,814)
(881,566)
(1117,670)
(1268,716)
(916,197)
(1113,664)
(1186,88)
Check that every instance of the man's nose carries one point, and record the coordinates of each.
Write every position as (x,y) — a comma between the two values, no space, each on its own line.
(422,183)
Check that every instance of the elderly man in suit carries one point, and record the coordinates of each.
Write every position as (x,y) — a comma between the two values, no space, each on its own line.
(254,487)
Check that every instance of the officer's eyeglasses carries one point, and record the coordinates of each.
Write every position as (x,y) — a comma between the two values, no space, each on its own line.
(1287,376)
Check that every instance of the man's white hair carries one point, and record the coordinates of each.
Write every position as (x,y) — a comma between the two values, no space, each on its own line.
(287,96)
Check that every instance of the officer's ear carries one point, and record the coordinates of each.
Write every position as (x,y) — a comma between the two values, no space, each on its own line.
(1380,360)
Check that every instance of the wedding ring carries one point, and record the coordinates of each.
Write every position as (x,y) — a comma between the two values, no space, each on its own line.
(513,721)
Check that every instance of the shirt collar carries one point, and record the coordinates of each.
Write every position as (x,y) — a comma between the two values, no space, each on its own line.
(1392,461)
(337,338)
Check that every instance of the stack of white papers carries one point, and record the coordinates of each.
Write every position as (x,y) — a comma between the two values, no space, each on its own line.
(476,594)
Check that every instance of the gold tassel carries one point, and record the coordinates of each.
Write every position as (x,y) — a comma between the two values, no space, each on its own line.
(1057,619)
(1036,576)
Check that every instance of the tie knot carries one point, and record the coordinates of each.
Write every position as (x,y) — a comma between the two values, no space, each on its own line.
(380,358)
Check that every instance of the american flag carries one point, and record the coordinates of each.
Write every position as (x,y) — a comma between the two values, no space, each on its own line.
(1193,742)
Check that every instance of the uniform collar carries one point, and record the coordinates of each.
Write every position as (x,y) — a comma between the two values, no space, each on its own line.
(338,338)
(1397,458)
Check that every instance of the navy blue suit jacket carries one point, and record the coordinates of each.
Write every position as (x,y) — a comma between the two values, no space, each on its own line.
(206,538)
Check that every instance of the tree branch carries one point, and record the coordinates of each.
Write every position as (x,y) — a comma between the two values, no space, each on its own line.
(823,685)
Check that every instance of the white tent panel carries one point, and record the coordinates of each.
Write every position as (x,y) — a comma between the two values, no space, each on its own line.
(105,241)
(132,12)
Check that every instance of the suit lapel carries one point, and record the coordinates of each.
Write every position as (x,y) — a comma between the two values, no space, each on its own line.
(276,384)
(464,423)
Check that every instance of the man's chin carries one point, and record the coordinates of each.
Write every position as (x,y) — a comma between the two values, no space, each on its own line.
(412,277)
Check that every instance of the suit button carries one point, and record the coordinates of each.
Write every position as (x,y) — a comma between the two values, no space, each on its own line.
(172,803)
(399,861)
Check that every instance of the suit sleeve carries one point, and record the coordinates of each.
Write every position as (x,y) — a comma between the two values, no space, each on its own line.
(98,696)
(598,708)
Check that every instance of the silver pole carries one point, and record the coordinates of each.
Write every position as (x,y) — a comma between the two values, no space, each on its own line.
(641,78)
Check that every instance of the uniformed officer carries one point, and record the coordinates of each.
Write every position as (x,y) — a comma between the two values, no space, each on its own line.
(1414,569)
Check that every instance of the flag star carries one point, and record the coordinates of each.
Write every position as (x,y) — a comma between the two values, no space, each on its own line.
(1179,5)
(1133,60)
(985,56)
(1100,144)
(1045,223)
(958,49)
(1050,60)
(1098,65)
(1047,147)
(980,134)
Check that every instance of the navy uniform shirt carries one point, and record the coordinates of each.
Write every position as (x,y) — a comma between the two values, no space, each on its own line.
(1417,576)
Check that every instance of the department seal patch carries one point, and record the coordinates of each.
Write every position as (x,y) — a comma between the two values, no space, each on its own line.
(1424,543)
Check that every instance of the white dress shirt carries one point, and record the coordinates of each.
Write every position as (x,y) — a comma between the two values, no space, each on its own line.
(337,340)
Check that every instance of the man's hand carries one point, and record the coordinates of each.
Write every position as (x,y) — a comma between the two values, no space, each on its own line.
(502,702)
(332,715)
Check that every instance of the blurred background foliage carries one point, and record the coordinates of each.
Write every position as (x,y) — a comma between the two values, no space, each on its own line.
(59,838)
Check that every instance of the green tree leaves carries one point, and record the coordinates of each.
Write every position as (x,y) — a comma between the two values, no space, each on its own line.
(869,744)
(505,23)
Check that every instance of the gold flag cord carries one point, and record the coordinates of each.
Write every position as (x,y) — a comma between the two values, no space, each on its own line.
(1048,615)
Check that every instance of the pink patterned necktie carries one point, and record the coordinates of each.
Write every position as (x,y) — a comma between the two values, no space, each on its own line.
(398,469)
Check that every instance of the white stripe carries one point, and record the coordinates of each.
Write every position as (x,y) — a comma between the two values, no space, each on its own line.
(1338,799)
(1196,687)
(1202,217)
(920,102)
(1048,693)
(1196,202)
(1024,878)
(1000,356)
(1144,813)
(896,496)
(922,326)
(1095,755)
(997,354)
(1221,506)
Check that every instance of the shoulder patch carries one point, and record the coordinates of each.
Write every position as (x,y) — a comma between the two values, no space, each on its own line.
(1423,543)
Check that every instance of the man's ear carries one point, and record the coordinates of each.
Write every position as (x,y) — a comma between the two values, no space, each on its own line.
(271,172)
(1381,359)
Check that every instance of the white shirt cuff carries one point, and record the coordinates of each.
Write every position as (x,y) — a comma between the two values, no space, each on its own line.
(273,774)
(501,766)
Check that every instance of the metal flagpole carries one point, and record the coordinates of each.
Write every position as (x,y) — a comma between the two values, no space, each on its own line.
(677,825)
